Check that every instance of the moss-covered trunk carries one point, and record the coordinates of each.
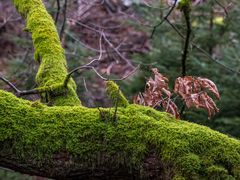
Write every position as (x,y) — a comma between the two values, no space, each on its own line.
(75,142)
(49,52)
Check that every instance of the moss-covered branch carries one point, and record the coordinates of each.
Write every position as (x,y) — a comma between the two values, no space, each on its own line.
(49,51)
(72,141)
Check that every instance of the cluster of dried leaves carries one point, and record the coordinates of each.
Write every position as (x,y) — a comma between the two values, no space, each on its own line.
(192,90)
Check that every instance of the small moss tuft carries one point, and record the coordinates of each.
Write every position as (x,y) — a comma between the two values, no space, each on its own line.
(116,95)
(236,172)
(217,172)
(178,177)
(189,165)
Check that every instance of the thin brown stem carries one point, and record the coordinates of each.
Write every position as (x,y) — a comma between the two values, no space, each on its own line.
(186,12)
(18,92)
(116,108)
(211,25)
(114,49)
(224,8)
(202,50)
(58,11)
(164,19)
(98,74)
(64,19)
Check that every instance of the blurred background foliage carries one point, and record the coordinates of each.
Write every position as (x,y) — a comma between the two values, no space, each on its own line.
(215,30)
(217,33)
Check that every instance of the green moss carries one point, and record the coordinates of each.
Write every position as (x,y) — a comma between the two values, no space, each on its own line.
(47,45)
(38,132)
(189,165)
(217,172)
(236,171)
(184,3)
(178,177)
(116,95)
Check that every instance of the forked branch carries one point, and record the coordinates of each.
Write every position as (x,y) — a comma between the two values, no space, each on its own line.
(164,19)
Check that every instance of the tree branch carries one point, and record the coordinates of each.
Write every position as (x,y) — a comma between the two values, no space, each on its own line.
(202,50)
(47,45)
(115,49)
(58,11)
(64,19)
(164,19)
(224,9)
(77,143)
(18,92)
(88,66)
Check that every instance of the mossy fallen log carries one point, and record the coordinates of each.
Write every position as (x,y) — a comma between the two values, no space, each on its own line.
(79,142)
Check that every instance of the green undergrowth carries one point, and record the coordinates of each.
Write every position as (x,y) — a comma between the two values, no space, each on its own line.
(38,132)
(48,50)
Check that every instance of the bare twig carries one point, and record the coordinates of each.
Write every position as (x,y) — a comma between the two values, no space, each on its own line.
(115,49)
(114,118)
(98,74)
(58,11)
(86,66)
(83,44)
(64,19)
(85,84)
(29,92)
(165,18)
(202,50)
(8,19)
(224,8)
(211,24)
(18,92)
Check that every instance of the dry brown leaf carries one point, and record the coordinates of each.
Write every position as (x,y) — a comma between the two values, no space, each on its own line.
(193,91)
(209,85)
(157,94)
(170,107)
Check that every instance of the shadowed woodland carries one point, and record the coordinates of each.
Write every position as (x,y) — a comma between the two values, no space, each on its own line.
(85,77)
